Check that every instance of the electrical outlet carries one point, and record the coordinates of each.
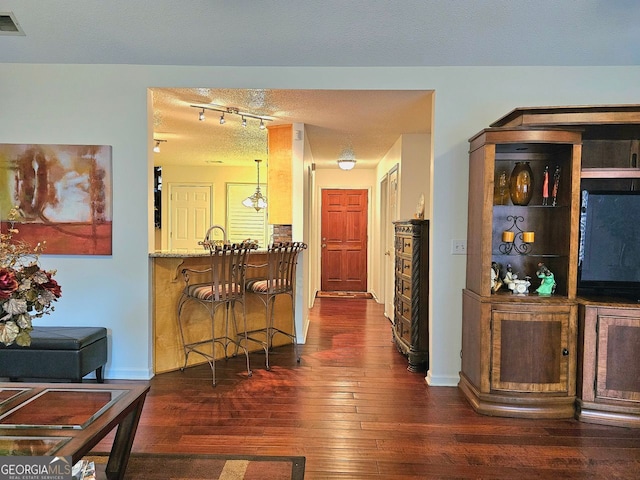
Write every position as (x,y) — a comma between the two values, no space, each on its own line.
(458,247)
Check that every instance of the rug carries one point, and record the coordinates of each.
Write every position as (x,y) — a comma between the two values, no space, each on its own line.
(344,295)
(151,466)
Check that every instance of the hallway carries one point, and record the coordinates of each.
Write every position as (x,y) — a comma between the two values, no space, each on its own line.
(355,412)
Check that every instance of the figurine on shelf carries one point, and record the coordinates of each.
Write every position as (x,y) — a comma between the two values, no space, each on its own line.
(496,281)
(556,185)
(547,280)
(545,186)
(509,277)
(521,287)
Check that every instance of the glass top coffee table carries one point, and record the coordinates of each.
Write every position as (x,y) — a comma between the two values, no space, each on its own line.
(66,419)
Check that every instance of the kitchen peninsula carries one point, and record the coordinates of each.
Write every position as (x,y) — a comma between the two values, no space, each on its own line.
(168,283)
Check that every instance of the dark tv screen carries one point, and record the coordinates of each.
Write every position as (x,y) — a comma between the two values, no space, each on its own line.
(609,254)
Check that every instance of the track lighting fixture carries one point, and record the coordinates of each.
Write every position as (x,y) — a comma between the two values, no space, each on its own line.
(231,111)
(156,148)
(257,200)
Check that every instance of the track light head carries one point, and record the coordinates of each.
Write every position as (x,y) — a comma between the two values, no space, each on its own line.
(244,122)
(222,120)
(262,127)
(201,116)
(156,147)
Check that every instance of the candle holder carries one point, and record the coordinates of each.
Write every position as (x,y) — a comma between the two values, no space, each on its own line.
(514,239)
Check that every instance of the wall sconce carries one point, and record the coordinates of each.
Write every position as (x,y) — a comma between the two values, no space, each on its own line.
(156,148)
(514,239)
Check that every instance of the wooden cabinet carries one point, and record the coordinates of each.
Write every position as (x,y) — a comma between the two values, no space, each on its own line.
(609,372)
(528,355)
(519,355)
(411,298)
(519,348)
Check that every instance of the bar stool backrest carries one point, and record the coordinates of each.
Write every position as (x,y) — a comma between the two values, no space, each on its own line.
(228,264)
(282,261)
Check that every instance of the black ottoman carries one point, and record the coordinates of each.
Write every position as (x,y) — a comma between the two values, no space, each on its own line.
(57,353)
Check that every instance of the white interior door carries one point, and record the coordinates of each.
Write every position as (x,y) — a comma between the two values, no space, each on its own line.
(190,209)
(389,234)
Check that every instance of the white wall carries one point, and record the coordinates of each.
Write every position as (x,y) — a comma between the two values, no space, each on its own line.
(107,105)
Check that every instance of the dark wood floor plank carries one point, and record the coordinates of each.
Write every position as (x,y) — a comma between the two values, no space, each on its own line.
(355,412)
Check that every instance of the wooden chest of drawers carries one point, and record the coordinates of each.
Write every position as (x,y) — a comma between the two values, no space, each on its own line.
(411,299)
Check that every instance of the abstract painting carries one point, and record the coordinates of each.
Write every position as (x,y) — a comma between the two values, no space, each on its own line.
(63,196)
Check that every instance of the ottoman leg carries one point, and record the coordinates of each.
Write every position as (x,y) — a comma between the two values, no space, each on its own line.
(99,374)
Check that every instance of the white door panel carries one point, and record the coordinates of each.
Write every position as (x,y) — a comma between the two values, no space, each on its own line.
(190,208)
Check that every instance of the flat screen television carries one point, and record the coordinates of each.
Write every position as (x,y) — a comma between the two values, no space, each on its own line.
(609,251)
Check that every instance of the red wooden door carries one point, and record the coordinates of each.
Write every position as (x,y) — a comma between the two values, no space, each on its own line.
(344,240)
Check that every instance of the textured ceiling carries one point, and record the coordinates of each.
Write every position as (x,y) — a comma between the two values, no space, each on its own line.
(365,121)
(283,33)
(325,33)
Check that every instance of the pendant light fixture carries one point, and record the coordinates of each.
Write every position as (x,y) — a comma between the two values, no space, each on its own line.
(257,200)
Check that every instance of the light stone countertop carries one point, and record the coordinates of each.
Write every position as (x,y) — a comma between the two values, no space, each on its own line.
(190,253)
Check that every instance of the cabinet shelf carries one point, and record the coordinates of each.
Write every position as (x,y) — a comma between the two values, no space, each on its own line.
(529,255)
(527,207)
(610,173)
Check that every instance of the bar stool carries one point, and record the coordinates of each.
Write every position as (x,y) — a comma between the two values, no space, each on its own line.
(281,264)
(222,284)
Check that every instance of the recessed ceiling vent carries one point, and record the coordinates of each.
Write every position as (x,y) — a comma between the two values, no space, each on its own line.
(9,25)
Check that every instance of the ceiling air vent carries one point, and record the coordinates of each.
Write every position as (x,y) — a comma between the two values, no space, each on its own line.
(9,25)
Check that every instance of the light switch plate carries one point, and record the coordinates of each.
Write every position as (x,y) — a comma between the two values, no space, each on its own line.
(458,247)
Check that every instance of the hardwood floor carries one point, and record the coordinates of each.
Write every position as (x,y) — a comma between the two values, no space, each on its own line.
(355,412)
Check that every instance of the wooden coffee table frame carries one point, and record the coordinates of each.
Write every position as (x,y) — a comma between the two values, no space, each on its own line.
(78,440)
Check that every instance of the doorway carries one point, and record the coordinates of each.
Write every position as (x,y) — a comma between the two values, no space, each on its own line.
(388,214)
(189,215)
(344,240)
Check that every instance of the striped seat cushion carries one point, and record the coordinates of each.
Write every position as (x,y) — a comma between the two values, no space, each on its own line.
(205,291)
(262,286)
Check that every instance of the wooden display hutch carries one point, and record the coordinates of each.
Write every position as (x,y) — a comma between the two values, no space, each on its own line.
(559,355)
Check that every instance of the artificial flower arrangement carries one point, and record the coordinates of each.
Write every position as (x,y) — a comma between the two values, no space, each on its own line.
(26,290)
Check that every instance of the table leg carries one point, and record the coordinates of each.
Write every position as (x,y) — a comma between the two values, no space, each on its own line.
(121,449)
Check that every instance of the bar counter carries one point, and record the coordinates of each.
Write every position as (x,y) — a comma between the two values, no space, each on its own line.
(168,354)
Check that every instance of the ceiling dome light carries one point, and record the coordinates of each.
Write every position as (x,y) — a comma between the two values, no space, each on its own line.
(346,163)
(347,159)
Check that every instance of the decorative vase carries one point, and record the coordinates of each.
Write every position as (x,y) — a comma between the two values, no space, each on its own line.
(521,184)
